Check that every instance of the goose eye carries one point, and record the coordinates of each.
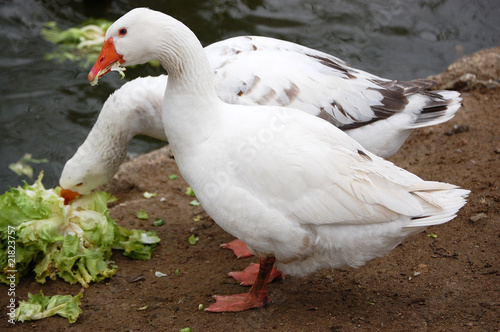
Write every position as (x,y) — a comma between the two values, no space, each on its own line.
(78,185)
(122,32)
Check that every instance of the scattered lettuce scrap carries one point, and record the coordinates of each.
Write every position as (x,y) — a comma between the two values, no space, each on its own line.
(190,192)
(159,222)
(149,195)
(432,235)
(23,168)
(137,244)
(142,214)
(78,44)
(193,239)
(74,242)
(173,176)
(40,306)
(194,202)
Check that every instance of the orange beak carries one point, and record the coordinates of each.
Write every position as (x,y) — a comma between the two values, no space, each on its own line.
(68,195)
(106,58)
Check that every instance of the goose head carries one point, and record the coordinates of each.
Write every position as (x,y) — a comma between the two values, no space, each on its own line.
(86,171)
(132,39)
(82,175)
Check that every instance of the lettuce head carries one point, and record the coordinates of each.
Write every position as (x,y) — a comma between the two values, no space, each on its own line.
(73,242)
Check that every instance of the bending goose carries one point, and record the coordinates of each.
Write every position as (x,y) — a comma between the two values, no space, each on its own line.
(377,112)
(299,192)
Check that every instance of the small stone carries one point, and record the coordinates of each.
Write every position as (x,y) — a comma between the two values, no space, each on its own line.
(457,129)
(421,268)
(478,216)
(159,274)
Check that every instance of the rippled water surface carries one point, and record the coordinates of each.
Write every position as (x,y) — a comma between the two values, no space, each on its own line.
(47,108)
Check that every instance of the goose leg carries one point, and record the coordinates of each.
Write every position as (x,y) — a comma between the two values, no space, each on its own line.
(257,296)
(248,276)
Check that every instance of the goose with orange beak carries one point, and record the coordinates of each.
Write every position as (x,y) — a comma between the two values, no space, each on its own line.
(307,197)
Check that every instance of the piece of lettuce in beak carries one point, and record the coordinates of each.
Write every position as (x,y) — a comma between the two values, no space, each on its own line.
(40,306)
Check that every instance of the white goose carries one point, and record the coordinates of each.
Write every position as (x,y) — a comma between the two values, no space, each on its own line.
(377,112)
(301,193)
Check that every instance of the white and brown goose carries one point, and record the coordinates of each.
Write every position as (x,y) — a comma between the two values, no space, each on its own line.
(377,112)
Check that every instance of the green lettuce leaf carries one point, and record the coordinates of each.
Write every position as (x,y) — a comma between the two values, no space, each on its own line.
(23,168)
(75,264)
(137,244)
(29,211)
(79,44)
(40,306)
(73,242)
(46,267)
(27,203)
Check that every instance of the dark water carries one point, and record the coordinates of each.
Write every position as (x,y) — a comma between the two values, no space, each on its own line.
(48,108)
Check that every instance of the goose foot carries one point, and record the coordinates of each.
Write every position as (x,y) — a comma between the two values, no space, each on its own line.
(257,297)
(239,248)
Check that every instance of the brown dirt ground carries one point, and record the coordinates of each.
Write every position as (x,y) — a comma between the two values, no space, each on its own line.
(446,284)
